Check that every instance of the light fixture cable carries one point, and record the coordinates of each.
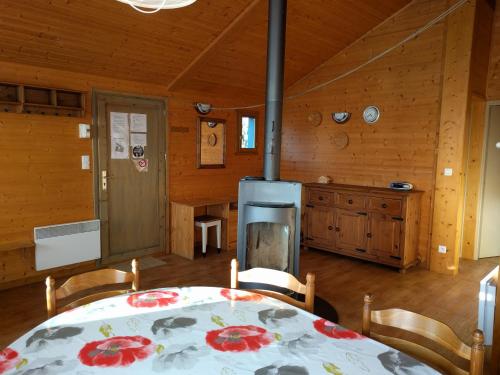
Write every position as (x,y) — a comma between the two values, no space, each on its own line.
(319,86)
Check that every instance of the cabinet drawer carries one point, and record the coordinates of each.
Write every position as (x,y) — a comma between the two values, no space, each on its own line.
(385,205)
(346,200)
(320,197)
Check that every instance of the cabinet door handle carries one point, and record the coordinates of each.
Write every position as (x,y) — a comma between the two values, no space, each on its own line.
(320,198)
(330,227)
(369,235)
(309,205)
(361,250)
(384,205)
(398,218)
(350,201)
(362,213)
(395,257)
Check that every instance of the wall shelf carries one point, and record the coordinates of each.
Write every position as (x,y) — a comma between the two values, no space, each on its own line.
(18,98)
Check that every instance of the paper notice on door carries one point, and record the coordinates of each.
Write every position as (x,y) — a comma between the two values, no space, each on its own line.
(138,139)
(119,135)
(138,122)
(141,165)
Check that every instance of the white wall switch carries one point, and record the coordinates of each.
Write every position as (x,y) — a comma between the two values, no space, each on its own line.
(448,171)
(497,145)
(85,162)
(83,130)
(442,249)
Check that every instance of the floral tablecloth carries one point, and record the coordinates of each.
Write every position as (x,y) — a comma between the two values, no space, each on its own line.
(198,330)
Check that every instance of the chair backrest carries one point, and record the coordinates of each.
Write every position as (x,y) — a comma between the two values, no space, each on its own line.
(279,279)
(87,281)
(431,329)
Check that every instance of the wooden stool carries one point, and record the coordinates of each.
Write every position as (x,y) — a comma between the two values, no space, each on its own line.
(204,222)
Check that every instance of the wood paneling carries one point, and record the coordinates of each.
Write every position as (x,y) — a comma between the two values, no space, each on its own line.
(405,85)
(447,217)
(42,180)
(210,46)
(493,86)
(109,38)
(474,159)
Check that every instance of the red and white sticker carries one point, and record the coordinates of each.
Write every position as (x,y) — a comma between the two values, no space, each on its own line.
(141,165)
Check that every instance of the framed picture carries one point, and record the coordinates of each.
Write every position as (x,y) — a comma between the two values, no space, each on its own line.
(211,143)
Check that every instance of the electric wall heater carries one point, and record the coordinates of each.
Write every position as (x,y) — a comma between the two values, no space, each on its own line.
(486,310)
(61,245)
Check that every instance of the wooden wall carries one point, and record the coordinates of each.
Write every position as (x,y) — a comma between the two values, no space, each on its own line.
(43,184)
(493,86)
(405,85)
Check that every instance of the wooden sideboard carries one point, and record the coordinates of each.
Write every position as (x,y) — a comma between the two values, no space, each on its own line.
(376,224)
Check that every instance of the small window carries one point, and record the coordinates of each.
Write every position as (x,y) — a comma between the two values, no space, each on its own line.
(247,132)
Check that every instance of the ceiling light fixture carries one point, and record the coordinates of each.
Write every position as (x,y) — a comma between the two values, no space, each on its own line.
(153,6)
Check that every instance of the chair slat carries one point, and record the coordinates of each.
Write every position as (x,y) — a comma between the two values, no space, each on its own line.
(92,298)
(423,326)
(87,281)
(272,277)
(421,353)
(93,279)
(278,279)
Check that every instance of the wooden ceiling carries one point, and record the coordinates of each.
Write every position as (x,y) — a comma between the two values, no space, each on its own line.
(212,46)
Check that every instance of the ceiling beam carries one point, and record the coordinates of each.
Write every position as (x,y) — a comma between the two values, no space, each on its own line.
(205,52)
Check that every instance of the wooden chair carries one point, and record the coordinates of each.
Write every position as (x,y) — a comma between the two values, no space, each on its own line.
(87,281)
(279,279)
(429,328)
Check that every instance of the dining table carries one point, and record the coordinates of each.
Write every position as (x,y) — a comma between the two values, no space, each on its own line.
(198,330)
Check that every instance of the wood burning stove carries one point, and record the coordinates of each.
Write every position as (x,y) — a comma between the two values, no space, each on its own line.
(269,225)
(269,209)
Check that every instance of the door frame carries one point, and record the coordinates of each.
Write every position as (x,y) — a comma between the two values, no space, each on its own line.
(484,154)
(163,149)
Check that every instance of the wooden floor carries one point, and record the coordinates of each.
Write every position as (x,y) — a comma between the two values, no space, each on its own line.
(340,280)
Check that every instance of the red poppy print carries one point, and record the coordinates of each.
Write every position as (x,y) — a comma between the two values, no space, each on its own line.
(156,298)
(239,338)
(240,295)
(335,331)
(118,351)
(8,359)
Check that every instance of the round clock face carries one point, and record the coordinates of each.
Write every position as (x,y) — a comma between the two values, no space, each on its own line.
(371,114)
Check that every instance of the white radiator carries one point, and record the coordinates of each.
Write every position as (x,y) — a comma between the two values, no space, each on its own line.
(486,310)
(60,245)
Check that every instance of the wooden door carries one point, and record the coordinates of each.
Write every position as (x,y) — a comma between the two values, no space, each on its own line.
(384,236)
(320,226)
(131,177)
(350,230)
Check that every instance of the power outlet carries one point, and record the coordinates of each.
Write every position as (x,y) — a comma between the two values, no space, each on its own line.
(448,172)
(442,249)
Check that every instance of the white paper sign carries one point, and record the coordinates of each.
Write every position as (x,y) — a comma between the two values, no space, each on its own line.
(138,123)
(138,139)
(119,137)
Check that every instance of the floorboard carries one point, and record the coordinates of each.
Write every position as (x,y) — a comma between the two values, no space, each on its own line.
(340,280)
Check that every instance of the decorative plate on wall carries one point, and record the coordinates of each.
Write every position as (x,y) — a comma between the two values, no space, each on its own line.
(340,140)
(341,117)
(315,118)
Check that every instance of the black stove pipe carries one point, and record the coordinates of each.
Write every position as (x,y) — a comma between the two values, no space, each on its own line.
(276,31)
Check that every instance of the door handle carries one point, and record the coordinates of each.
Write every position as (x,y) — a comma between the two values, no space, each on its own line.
(330,227)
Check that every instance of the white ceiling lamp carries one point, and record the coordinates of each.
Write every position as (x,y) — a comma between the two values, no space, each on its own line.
(153,6)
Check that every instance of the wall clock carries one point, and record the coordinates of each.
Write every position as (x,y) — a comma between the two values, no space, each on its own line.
(371,114)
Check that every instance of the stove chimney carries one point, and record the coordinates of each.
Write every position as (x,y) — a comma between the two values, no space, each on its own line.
(276,31)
